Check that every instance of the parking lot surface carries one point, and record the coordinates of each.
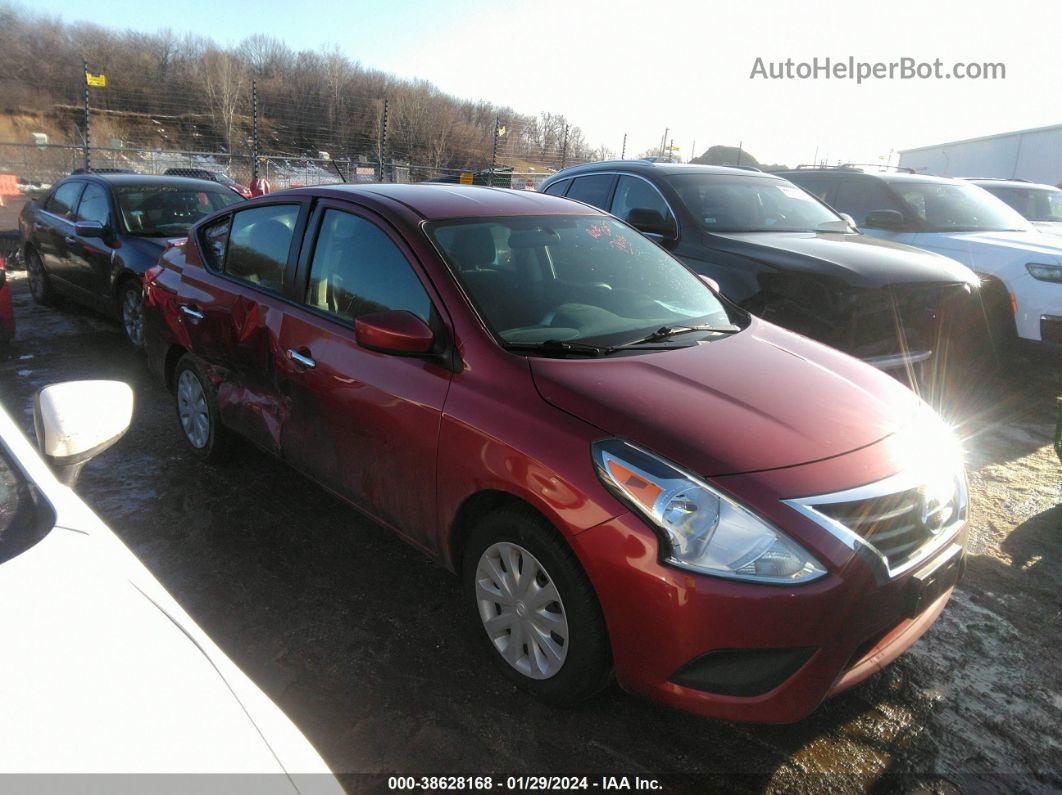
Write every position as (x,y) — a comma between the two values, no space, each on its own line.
(358,637)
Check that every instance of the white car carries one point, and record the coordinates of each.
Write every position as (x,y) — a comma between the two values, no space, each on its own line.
(101,671)
(1039,204)
(962,221)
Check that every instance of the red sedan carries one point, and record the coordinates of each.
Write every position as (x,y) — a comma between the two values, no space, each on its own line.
(7,313)
(632,476)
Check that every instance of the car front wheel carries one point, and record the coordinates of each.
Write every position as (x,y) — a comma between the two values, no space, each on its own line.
(534,607)
(39,283)
(130,305)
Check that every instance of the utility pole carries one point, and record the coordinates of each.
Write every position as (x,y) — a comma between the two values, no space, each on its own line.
(254,130)
(623,151)
(564,148)
(663,140)
(88,157)
(383,136)
(693,151)
(494,152)
(740,145)
(670,150)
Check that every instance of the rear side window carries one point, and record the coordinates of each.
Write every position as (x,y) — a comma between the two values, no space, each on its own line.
(860,197)
(593,189)
(357,269)
(95,205)
(637,194)
(259,243)
(215,238)
(816,187)
(558,188)
(64,200)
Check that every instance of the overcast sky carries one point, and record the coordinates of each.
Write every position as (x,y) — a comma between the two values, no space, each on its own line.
(616,67)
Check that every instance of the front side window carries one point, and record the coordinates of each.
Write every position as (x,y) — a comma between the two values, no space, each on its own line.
(959,207)
(637,194)
(95,205)
(357,269)
(572,278)
(259,244)
(593,189)
(860,197)
(165,210)
(64,200)
(723,203)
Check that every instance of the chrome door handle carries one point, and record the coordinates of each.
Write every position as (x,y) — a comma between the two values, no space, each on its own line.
(192,312)
(301,358)
(70,241)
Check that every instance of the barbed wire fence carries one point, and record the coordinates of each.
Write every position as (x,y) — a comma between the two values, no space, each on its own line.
(252,128)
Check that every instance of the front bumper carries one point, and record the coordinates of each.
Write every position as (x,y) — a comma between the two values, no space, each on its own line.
(826,635)
(1038,310)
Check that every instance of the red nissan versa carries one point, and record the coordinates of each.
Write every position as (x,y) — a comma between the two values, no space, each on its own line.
(632,476)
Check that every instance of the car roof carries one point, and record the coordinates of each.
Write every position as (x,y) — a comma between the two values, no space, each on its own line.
(147,180)
(891,176)
(1010,183)
(646,167)
(444,201)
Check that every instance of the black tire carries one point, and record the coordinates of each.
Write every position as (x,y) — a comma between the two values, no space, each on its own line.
(587,665)
(40,285)
(216,443)
(130,293)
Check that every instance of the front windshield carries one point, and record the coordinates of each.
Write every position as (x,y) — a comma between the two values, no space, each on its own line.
(165,210)
(723,203)
(959,207)
(589,279)
(1035,204)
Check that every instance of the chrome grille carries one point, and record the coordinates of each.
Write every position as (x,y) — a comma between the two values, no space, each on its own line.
(901,520)
(892,523)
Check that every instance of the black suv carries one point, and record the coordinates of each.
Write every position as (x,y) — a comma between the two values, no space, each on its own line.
(784,255)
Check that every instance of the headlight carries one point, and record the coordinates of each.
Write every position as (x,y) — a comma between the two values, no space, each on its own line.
(703,530)
(1045,273)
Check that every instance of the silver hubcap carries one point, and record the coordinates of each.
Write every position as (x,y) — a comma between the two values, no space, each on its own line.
(521,610)
(192,409)
(36,277)
(132,316)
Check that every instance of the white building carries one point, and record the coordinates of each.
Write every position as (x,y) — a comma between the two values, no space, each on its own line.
(1034,155)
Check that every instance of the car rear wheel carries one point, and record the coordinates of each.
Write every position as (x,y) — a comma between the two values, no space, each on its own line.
(534,608)
(197,412)
(130,306)
(39,283)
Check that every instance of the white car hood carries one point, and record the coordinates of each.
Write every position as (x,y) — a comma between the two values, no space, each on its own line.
(984,246)
(101,671)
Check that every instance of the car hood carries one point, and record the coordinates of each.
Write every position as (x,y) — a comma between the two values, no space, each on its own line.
(1023,246)
(761,399)
(1050,227)
(859,260)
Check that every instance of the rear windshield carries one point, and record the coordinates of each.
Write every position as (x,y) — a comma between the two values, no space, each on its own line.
(166,210)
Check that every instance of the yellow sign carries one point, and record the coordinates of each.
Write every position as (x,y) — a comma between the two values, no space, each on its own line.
(100,81)
(466,178)
(501,131)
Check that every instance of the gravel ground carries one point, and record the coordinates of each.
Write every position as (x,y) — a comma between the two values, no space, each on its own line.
(353,633)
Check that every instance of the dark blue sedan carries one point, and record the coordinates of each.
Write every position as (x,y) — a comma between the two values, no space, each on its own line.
(92,237)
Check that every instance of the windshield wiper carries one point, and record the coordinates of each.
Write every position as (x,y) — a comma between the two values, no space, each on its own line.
(664,332)
(559,346)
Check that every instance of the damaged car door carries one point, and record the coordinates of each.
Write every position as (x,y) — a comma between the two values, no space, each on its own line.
(232,312)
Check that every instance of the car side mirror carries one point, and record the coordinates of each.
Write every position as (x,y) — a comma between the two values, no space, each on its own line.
(75,421)
(89,229)
(849,220)
(712,283)
(396,331)
(884,219)
(651,222)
